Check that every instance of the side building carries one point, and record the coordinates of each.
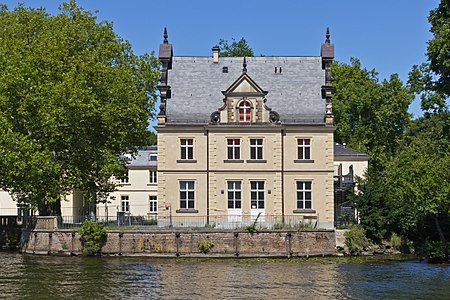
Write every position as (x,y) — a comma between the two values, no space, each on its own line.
(241,137)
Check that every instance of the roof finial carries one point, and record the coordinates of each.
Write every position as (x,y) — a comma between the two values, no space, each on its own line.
(327,36)
(166,41)
(244,69)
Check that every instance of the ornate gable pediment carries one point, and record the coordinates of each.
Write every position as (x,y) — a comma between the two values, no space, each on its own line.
(244,102)
(244,85)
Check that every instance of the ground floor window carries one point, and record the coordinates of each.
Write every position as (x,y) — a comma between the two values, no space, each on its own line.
(304,195)
(187,193)
(257,194)
(234,194)
(125,203)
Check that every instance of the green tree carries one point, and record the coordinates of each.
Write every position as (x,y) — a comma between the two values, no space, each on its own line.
(73,98)
(370,116)
(236,49)
(432,79)
(421,176)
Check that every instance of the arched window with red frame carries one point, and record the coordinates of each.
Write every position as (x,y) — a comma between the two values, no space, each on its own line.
(245,111)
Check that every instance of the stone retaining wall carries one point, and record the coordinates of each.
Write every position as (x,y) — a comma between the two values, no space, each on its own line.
(186,243)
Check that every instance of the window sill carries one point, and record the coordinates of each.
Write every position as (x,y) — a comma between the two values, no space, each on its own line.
(124,183)
(152,183)
(187,210)
(236,161)
(304,161)
(260,161)
(186,161)
(304,211)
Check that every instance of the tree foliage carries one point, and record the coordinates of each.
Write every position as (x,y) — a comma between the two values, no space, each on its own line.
(73,98)
(239,48)
(432,79)
(369,116)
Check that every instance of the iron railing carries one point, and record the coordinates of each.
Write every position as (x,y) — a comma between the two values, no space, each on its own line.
(128,221)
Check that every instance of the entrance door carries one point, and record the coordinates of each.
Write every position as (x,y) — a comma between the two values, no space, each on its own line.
(257,200)
(234,198)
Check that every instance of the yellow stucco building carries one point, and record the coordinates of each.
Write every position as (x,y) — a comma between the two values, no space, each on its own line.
(238,137)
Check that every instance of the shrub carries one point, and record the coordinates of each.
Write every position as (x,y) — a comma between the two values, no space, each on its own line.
(396,241)
(356,240)
(93,237)
(437,251)
(205,246)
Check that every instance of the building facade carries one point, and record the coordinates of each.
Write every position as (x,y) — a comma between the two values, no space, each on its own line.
(242,137)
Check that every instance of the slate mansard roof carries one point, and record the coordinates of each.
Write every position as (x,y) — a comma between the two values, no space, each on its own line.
(295,93)
(142,158)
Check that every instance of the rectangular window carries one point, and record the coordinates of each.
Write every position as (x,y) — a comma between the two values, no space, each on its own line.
(125,178)
(153,157)
(256,149)
(187,192)
(125,203)
(234,194)
(153,204)
(234,148)
(187,148)
(153,176)
(304,195)
(257,194)
(304,148)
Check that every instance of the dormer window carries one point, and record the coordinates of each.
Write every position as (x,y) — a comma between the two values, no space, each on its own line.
(245,111)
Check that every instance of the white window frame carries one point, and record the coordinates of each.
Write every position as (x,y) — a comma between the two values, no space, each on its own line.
(153,176)
(234,149)
(186,149)
(153,204)
(126,177)
(125,203)
(234,194)
(187,194)
(247,110)
(257,194)
(302,193)
(256,149)
(303,148)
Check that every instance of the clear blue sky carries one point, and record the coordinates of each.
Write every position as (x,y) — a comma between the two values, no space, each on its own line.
(388,35)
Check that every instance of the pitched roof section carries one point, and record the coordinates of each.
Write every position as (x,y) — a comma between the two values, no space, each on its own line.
(142,158)
(295,93)
(343,151)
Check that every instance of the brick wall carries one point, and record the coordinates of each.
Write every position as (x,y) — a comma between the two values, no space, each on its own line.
(186,244)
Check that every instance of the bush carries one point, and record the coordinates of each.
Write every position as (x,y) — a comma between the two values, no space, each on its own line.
(205,246)
(356,240)
(93,237)
(437,251)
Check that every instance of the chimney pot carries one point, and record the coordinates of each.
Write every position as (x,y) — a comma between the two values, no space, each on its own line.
(216,51)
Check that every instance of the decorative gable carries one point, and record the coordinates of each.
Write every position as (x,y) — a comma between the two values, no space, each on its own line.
(244,102)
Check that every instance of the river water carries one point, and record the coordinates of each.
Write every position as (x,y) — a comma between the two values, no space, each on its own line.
(50,277)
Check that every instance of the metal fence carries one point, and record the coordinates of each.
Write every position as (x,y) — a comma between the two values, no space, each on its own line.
(126,221)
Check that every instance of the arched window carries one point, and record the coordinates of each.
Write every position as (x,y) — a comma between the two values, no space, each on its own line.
(244,111)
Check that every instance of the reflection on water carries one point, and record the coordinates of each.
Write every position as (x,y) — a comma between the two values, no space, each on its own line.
(28,276)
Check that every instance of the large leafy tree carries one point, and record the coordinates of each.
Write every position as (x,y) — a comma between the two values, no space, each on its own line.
(239,48)
(73,98)
(432,79)
(421,177)
(370,116)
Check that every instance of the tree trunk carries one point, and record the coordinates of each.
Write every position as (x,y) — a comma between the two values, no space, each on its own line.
(439,229)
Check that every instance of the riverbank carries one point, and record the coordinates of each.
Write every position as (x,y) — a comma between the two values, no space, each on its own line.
(187,243)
